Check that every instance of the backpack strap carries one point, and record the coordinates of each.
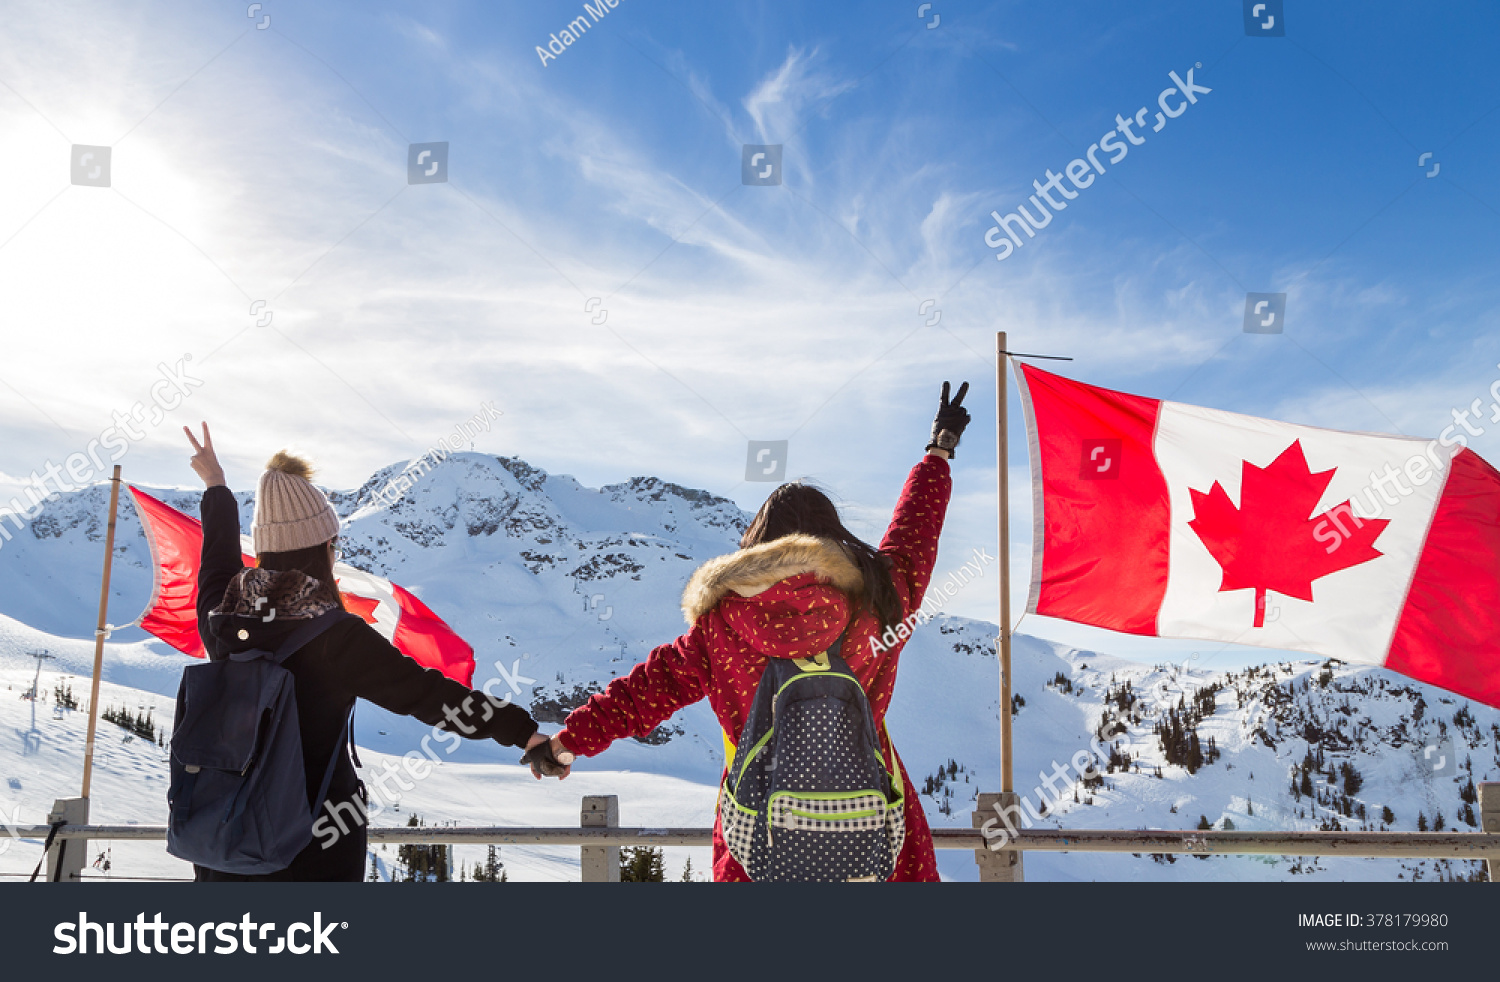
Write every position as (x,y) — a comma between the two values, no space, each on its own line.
(898,787)
(729,746)
(354,748)
(345,739)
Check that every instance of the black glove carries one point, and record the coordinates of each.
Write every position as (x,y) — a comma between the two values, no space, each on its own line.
(951,419)
(544,762)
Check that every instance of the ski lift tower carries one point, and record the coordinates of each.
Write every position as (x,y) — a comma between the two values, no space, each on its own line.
(32,739)
(40,657)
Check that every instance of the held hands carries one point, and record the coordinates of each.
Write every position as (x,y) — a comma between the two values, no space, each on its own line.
(949,424)
(205,462)
(547,757)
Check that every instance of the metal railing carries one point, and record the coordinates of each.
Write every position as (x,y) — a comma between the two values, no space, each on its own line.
(1371,845)
(600,836)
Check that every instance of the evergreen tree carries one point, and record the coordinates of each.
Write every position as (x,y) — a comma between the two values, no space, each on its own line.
(1352,779)
(687,871)
(1195,752)
(642,864)
(492,870)
(1421,822)
(422,863)
(1204,823)
(1386,815)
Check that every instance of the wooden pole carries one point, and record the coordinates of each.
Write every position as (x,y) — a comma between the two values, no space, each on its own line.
(1001,865)
(1002,467)
(99,633)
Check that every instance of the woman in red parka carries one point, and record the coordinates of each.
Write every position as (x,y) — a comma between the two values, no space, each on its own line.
(796,581)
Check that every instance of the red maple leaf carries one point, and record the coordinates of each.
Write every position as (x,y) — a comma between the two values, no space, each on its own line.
(361,606)
(1269,541)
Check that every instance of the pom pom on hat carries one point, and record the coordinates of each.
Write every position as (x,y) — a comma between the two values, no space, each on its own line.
(288,464)
(290,513)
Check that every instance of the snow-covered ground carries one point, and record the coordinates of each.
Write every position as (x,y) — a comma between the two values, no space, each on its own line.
(580,584)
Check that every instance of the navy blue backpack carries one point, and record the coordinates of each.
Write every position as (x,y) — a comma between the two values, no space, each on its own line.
(808,796)
(239,789)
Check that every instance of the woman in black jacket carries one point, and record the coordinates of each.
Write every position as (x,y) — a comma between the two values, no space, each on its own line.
(296,533)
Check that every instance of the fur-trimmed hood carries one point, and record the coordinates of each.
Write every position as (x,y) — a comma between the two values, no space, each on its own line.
(287,594)
(758,568)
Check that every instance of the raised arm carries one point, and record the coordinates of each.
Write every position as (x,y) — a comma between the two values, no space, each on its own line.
(220,560)
(911,542)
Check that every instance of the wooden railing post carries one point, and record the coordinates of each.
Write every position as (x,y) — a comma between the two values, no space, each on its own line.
(1489,820)
(67,857)
(601,864)
(998,865)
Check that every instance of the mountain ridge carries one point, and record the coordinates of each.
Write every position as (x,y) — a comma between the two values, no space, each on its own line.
(575,585)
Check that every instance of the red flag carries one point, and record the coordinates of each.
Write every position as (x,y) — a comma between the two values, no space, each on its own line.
(1163,519)
(176,548)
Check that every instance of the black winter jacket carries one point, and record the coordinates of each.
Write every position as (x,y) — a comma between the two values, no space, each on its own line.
(349,660)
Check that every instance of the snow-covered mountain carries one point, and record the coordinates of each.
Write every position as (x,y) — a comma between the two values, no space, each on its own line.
(580,583)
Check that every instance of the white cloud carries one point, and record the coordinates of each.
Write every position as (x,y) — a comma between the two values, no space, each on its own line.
(780,99)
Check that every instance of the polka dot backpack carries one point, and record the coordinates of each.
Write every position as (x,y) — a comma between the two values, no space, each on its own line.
(808,797)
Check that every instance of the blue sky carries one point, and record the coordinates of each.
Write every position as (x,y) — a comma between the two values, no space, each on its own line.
(270,165)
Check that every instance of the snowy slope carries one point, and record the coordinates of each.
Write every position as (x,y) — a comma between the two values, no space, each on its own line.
(578,584)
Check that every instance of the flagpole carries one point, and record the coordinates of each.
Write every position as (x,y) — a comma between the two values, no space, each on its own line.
(100,633)
(1002,458)
(998,813)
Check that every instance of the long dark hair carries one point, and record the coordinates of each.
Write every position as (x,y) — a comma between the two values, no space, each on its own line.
(316,561)
(799,507)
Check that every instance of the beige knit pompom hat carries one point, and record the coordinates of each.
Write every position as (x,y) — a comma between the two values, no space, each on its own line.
(290,513)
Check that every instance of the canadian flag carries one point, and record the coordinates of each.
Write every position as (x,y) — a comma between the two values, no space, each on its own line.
(1175,521)
(177,544)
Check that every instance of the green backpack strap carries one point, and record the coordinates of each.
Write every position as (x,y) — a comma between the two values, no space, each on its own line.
(807,665)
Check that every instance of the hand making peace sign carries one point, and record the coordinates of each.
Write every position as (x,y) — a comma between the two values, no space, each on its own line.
(205,462)
(951,419)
